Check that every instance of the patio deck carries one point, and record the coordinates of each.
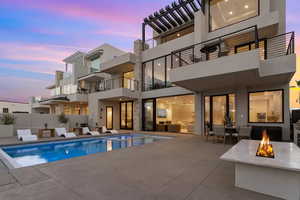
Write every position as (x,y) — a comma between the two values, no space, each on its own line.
(185,168)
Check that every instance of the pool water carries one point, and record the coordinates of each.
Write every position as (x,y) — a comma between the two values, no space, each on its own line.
(34,154)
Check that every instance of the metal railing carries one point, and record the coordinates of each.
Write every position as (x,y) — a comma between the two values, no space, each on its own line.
(225,45)
(150,43)
(111,84)
(269,48)
(281,45)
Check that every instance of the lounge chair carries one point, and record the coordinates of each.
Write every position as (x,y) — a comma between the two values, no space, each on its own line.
(62,132)
(86,131)
(26,136)
(104,130)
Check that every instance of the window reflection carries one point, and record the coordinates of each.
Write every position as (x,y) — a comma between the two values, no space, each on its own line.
(159,73)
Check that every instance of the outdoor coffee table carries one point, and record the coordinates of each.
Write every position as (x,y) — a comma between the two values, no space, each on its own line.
(42,132)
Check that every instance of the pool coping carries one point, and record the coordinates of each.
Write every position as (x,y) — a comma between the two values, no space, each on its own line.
(12,164)
(9,162)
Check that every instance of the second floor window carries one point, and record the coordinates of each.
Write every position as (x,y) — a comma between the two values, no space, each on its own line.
(156,73)
(95,65)
(223,13)
(5,110)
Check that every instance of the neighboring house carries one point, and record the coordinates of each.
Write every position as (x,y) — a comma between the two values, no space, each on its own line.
(36,107)
(14,107)
(68,95)
(207,61)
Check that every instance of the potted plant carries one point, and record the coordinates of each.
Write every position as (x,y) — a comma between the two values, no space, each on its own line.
(7,125)
(63,119)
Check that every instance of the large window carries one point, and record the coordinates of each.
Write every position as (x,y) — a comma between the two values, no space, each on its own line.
(148,76)
(172,114)
(156,73)
(95,65)
(5,110)
(266,107)
(128,80)
(159,73)
(227,12)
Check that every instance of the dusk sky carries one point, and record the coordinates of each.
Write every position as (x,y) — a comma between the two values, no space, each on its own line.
(36,35)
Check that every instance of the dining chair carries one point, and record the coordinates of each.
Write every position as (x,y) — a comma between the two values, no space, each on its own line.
(220,133)
(244,132)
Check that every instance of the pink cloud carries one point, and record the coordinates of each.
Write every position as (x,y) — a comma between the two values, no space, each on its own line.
(128,34)
(39,58)
(22,88)
(97,11)
(297,46)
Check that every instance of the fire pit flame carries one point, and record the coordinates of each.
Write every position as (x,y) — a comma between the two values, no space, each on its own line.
(265,149)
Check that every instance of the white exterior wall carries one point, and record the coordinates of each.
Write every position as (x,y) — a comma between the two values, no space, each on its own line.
(37,121)
(15,107)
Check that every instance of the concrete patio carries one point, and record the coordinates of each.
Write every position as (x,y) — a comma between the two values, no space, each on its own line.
(184,168)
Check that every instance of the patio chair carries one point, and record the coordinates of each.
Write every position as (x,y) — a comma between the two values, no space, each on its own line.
(244,132)
(62,132)
(220,133)
(25,135)
(86,131)
(104,130)
(208,132)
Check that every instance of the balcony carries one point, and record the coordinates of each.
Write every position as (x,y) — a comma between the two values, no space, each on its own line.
(116,89)
(120,64)
(229,60)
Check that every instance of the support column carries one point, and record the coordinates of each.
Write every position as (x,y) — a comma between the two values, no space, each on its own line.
(94,111)
(241,101)
(137,107)
(199,114)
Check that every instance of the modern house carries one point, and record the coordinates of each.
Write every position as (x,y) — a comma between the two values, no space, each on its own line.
(217,58)
(205,61)
(68,94)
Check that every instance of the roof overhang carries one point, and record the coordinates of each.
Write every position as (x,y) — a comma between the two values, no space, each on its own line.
(93,77)
(120,64)
(94,54)
(55,100)
(71,58)
(51,87)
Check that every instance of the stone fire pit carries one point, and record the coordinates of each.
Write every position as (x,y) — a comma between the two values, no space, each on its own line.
(278,176)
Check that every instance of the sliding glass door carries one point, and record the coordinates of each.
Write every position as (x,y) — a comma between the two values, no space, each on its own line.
(217,108)
(148,114)
(126,115)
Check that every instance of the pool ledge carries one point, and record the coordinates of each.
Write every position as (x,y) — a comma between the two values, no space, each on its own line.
(8,161)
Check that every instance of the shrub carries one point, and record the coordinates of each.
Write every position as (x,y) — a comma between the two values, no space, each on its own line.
(62,118)
(7,119)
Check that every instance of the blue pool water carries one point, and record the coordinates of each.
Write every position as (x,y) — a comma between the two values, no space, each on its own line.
(34,154)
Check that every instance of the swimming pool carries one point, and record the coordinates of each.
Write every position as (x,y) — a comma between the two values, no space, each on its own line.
(39,153)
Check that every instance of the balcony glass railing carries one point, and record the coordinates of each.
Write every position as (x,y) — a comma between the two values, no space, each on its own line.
(111,84)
